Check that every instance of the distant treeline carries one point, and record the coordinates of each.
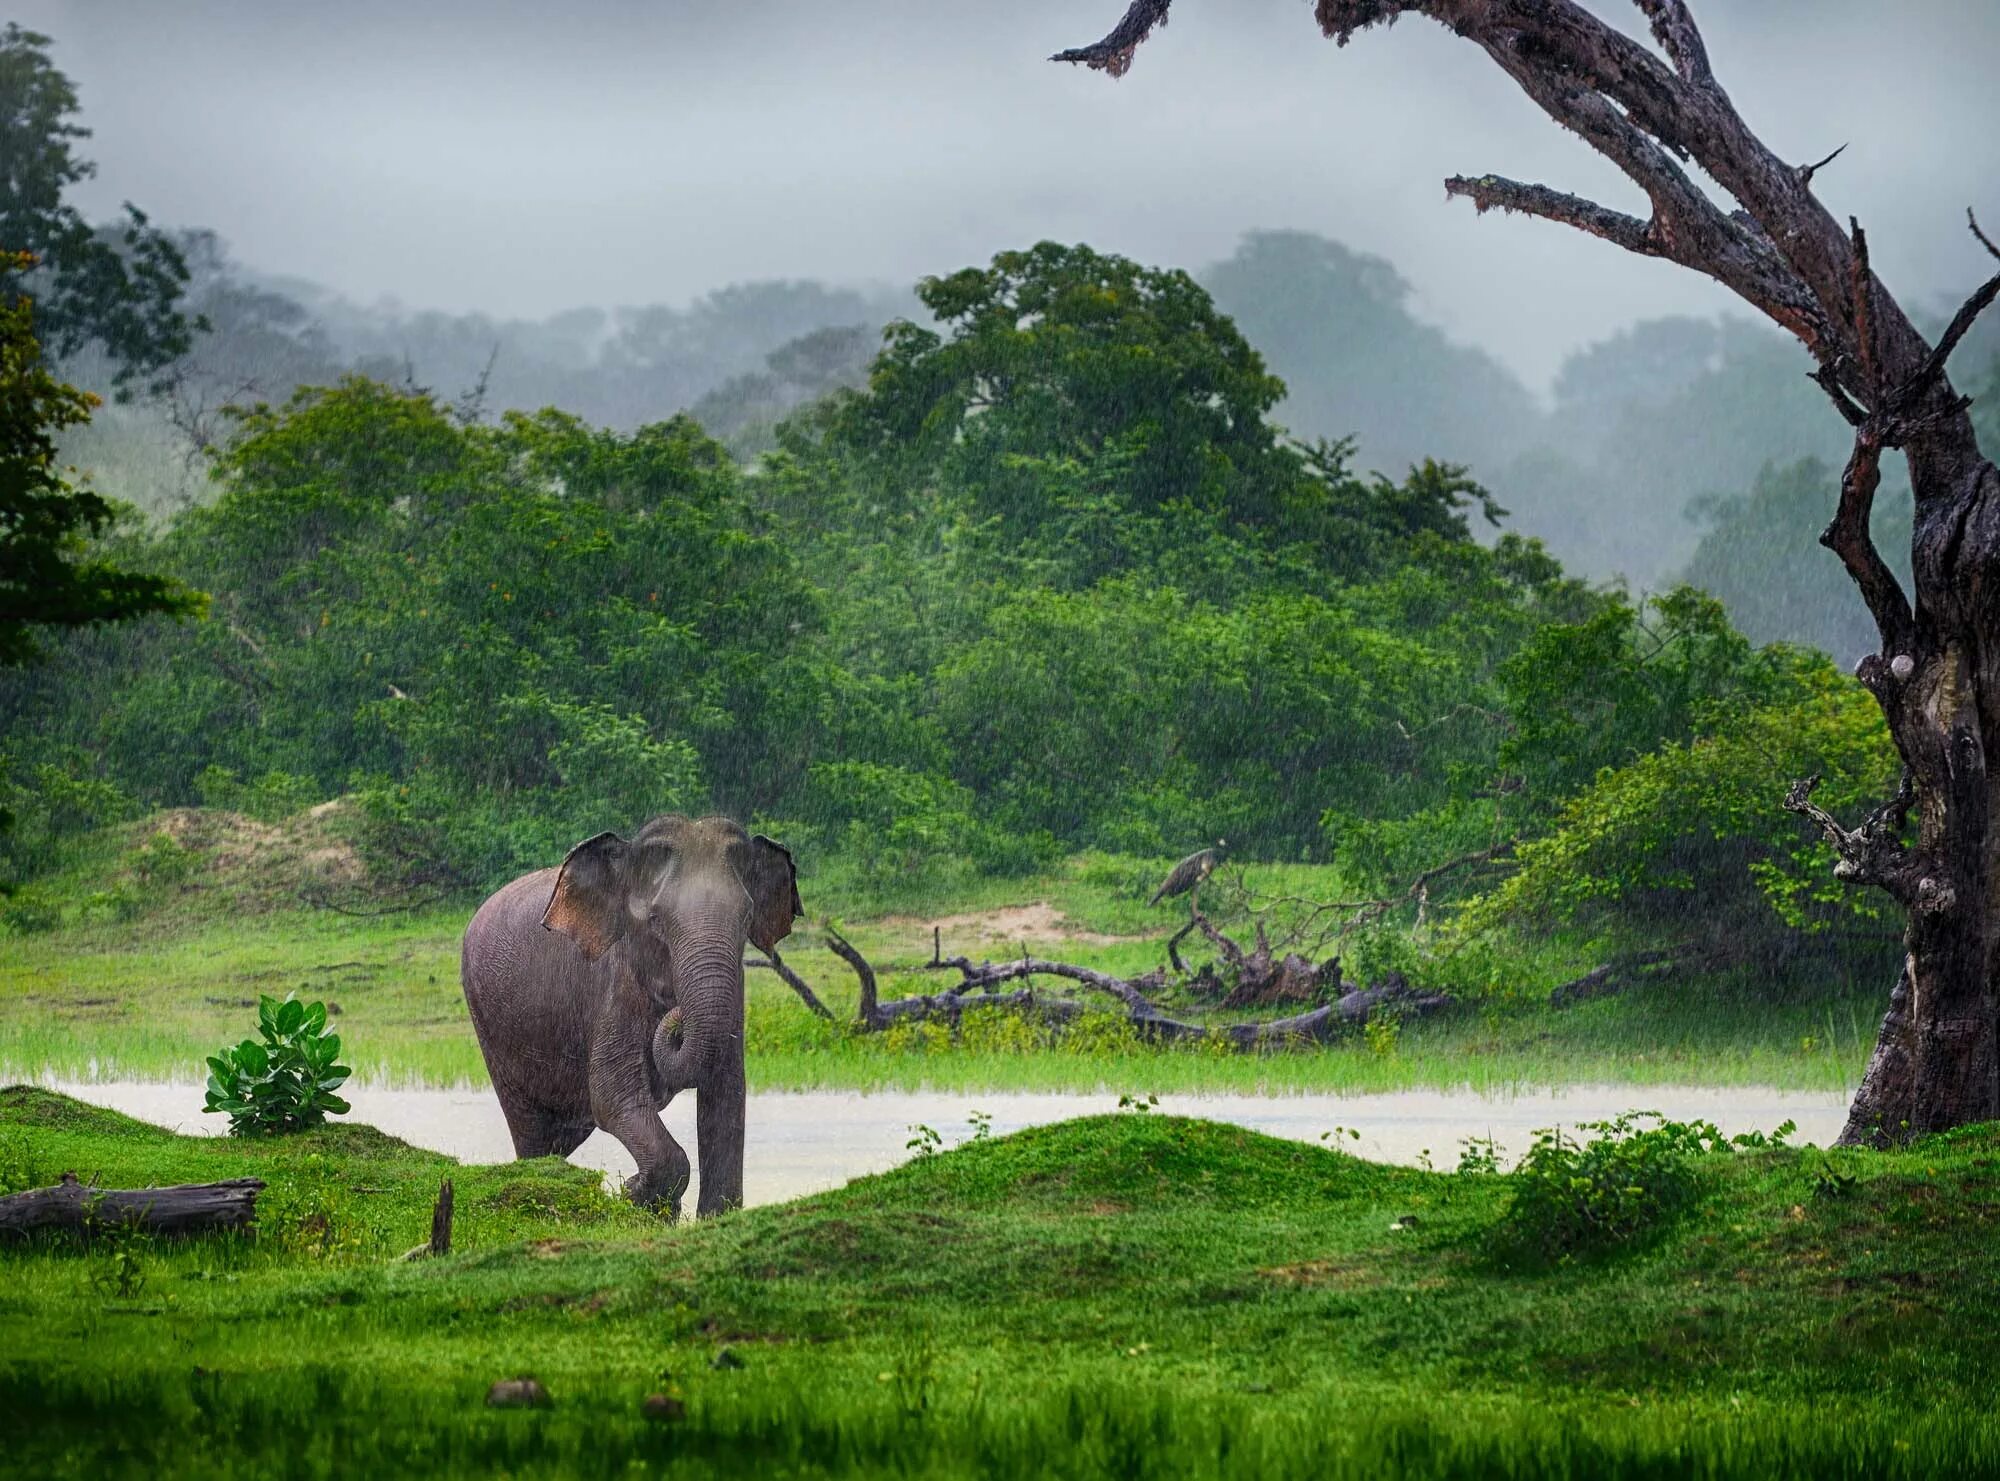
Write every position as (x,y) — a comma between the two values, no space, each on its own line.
(1051,578)
(1678,449)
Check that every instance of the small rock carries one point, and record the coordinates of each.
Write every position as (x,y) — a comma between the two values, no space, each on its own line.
(1404,1224)
(517,1393)
(662,1406)
(725,1358)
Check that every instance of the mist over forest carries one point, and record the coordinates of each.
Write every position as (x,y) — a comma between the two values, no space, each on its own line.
(1652,454)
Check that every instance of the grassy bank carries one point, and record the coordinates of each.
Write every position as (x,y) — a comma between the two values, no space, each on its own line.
(1128,1295)
(152,966)
(148,999)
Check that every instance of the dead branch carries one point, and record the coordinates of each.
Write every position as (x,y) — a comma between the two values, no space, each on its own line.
(1872,853)
(1113,54)
(317,901)
(978,983)
(1490,192)
(1932,369)
(1629,971)
(1806,172)
(795,982)
(1358,913)
(1849,535)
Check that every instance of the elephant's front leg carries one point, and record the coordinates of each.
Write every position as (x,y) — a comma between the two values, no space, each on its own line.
(622,1101)
(720,1106)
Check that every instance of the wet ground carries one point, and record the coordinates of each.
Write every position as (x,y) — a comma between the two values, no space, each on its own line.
(806,1142)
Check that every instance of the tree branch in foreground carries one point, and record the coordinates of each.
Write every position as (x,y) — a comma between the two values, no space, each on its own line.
(1113,54)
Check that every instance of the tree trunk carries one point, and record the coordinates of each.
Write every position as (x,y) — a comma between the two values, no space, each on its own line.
(183,1209)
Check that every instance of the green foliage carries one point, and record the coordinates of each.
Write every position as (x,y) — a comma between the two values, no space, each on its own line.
(285,1083)
(49,575)
(270,798)
(1574,1197)
(1051,579)
(116,287)
(1689,836)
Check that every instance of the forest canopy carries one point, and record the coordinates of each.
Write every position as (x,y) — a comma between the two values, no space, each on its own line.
(1050,578)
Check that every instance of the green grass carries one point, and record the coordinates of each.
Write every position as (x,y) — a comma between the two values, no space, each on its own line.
(1124,1295)
(151,997)
(148,997)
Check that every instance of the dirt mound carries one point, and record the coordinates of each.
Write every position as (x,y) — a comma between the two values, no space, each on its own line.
(1040,921)
(232,853)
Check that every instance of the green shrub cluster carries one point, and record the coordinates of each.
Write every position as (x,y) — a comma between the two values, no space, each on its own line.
(1614,1185)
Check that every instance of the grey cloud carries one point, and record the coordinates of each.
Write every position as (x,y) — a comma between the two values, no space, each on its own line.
(522,159)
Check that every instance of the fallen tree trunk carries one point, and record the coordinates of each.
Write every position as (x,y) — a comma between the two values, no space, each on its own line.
(978,986)
(186,1208)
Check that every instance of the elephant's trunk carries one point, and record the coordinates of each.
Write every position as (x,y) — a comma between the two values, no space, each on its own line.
(707,954)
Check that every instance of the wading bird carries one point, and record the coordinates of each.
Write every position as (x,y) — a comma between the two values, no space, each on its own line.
(1187,875)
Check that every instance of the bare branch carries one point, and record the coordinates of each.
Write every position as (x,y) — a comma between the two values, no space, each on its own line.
(795,982)
(838,944)
(1622,972)
(1984,240)
(1490,191)
(1680,38)
(1872,853)
(1843,403)
(1806,172)
(1961,322)
(1113,55)
(1861,295)
(1849,536)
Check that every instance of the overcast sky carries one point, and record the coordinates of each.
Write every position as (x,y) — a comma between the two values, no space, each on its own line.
(520,157)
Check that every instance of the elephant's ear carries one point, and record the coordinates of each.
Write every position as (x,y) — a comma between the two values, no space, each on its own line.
(588,904)
(773,885)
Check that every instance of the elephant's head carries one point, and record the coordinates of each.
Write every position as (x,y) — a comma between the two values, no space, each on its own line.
(689,893)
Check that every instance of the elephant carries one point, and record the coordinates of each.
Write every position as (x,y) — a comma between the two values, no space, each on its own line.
(601,989)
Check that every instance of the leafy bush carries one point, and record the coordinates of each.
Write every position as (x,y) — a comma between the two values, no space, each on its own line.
(287,1082)
(29,912)
(164,860)
(1692,835)
(271,798)
(1576,1197)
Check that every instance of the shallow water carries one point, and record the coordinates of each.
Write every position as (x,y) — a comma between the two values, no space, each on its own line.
(806,1142)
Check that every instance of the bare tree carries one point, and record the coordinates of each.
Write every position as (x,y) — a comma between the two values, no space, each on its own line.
(1660,114)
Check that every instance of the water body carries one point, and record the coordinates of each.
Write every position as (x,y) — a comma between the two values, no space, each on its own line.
(807,1142)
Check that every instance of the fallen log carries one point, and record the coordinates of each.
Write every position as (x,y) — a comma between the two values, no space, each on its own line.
(978,986)
(185,1208)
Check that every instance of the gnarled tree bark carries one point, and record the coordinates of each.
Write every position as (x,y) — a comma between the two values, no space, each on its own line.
(1658,113)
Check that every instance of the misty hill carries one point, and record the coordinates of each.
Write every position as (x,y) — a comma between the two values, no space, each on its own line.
(1659,453)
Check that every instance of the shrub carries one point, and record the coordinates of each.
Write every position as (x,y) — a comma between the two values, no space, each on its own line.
(287,1082)
(29,912)
(1574,1198)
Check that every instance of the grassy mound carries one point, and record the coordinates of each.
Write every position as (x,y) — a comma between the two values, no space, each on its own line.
(1133,1295)
(1127,1163)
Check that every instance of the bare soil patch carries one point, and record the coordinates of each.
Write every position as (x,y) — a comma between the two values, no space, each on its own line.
(1040,921)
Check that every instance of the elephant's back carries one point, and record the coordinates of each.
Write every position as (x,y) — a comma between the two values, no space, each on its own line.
(511,966)
(503,929)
